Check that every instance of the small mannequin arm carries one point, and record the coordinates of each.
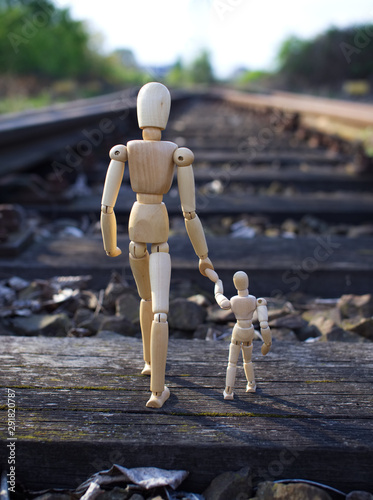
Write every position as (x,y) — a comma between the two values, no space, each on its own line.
(264,328)
(222,301)
(183,158)
(114,176)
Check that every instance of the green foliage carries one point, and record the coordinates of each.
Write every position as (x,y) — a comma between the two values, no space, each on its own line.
(34,5)
(292,49)
(328,59)
(177,75)
(36,37)
(19,103)
(199,71)
(116,72)
(40,39)
(253,76)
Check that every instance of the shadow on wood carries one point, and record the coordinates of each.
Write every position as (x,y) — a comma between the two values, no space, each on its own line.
(81,408)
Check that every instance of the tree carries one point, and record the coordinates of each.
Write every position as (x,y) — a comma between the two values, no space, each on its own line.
(40,39)
(126,57)
(328,59)
(201,69)
(177,75)
(36,37)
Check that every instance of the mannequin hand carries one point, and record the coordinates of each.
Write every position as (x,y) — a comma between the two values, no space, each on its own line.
(265,349)
(115,253)
(204,265)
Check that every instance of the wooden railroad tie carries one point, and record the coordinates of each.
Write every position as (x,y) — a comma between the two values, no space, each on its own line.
(311,417)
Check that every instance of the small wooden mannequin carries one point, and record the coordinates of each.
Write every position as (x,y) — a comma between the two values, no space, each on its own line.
(243,306)
(151,166)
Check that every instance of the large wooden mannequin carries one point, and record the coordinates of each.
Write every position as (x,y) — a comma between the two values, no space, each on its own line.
(243,306)
(151,167)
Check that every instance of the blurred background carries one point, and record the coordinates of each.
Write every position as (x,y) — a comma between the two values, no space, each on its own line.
(53,51)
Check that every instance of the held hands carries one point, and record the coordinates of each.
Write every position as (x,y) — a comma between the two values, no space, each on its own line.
(207,269)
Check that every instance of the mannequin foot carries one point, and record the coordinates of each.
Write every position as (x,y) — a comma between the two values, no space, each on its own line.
(251,386)
(158,401)
(228,395)
(146,370)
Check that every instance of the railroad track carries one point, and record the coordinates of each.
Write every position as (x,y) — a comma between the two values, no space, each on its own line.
(290,204)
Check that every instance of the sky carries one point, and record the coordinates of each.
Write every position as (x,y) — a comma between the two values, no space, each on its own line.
(237,33)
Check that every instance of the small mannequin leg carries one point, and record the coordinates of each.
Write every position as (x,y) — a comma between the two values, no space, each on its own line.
(248,367)
(139,262)
(234,352)
(146,317)
(160,275)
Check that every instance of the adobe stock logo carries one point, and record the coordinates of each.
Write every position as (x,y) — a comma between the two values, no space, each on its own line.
(362,39)
(222,7)
(30,26)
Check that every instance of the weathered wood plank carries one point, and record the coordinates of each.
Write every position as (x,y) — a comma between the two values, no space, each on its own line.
(323,265)
(279,157)
(346,111)
(322,178)
(81,407)
(345,207)
(282,404)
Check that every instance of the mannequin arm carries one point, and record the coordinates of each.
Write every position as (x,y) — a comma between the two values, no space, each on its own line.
(183,158)
(113,180)
(223,302)
(264,328)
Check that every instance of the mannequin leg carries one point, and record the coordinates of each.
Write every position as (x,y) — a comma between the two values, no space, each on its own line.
(139,262)
(234,352)
(248,367)
(160,275)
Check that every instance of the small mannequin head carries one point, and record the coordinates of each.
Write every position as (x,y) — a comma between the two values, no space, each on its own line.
(241,281)
(153,106)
